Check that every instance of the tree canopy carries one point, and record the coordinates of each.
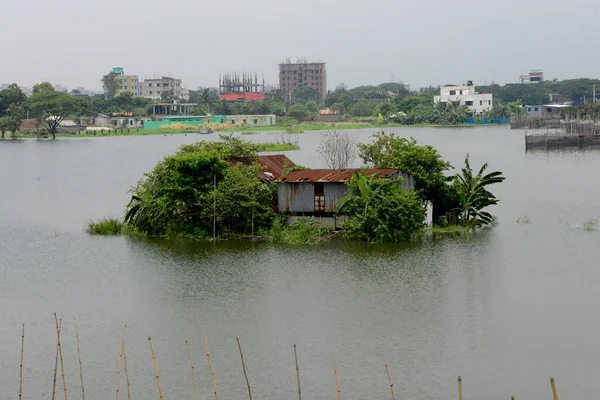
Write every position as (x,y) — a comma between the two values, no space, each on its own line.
(51,108)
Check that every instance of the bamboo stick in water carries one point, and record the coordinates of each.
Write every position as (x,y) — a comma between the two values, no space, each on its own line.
(193,370)
(337,381)
(212,371)
(244,368)
(56,366)
(119,362)
(80,365)
(62,364)
(160,393)
(459,388)
(390,380)
(553,385)
(297,373)
(126,373)
(21,365)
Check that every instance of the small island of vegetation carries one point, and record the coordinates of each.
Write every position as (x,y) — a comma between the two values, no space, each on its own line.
(219,189)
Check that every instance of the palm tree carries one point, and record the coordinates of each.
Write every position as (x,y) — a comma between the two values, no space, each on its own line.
(474,196)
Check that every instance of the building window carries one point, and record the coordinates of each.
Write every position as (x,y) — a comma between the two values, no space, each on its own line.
(549,110)
(158,84)
(528,109)
(536,109)
(469,102)
(151,92)
(150,84)
(255,121)
(461,92)
(480,102)
(233,121)
(452,92)
(319,197)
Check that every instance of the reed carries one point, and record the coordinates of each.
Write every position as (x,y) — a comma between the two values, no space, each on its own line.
(160,392)
(244,368)
(193,372)
(21,365)
(79,357)
(62,364)
(297,373)
(391,383)
(212,371)
(460,388)
(337,381)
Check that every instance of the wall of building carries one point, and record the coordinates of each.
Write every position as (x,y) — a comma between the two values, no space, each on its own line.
(298,75)
(154,88)
(477,103)
(327,118)
(251,120)
(534,111)
(128,84)
(191,121)
(296,197)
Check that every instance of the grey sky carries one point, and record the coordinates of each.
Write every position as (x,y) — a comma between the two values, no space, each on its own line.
(421,42)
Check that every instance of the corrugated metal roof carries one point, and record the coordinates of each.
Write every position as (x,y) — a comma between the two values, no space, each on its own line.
(275,164)
(332,175)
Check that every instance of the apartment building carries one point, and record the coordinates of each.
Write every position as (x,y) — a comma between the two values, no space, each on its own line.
(127,83)
(302,74)
(154,88)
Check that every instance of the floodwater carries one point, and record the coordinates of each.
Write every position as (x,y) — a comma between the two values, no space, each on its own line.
(506,309)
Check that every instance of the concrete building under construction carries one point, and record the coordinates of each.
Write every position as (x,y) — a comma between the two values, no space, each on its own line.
(302,74)
(241,87)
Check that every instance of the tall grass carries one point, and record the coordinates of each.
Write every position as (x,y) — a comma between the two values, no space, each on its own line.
(109,226)
(270,146)
(299,232)
(526,219)
(590,225)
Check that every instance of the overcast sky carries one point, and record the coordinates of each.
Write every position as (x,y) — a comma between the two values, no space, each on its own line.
(420,42)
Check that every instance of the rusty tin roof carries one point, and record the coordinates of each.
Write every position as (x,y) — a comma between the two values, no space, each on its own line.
(332,175)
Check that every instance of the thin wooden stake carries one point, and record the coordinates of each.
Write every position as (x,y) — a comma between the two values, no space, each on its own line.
(212,372)
(160,393)
(244,368)
(119,362)
(459,388)
(126,373)
(297,373)
(391,384)
(56,366)
(193,370)
(337,381)
(80,365)
(62,364)
(553,385)
(21,366)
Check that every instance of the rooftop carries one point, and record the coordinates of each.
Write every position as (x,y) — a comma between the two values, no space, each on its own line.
(333,175)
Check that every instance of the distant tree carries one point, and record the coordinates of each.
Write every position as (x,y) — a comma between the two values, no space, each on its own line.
(312,107)
(386,109)
(337,149)
(110,85)
(304,94)
(43,87)
(363,108)
(10,96)
(297,111)
(51,108)
(168,95)
(340,108)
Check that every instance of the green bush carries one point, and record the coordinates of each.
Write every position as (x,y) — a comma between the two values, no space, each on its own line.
(109,226)
(299,232)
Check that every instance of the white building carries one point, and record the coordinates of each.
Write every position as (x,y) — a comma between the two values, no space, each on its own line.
(154,88)
(465,95)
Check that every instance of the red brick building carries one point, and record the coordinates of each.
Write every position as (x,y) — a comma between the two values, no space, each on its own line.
(303,74)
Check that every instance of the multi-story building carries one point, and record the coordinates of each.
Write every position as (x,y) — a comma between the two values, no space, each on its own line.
(127,83)
(302,74)
(534,76)
(465,95)
(154,88)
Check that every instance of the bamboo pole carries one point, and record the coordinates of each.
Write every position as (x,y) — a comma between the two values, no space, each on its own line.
(193,370)
(80,365)
(297,373)
(460,388)
(126,373)
(62,364)
(56,366)
(337,381)
(212,371)
(553,385)
(244,368)
(390,380)
(160,393)
(119,362)
(21,365)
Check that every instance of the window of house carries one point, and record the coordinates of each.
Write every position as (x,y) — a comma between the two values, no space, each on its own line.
(549,110)
(244,122)
(150,84)
(233,121)
(480,102)
(452,92)
(528,109)
(469,102)
(158,84)
(536,109)
(151,92)
(255,121)
(319,197)
(461,92)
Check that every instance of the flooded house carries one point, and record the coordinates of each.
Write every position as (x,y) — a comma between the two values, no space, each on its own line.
(319,191)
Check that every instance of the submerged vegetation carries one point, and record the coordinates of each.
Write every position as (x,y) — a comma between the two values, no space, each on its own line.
(217,189)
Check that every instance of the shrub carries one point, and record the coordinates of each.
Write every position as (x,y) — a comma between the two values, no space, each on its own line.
(105,226)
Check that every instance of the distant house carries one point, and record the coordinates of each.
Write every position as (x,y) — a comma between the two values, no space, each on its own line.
(465,95)
(534,111)
(318,191)
(327,115)
(273,165)
(553,110)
